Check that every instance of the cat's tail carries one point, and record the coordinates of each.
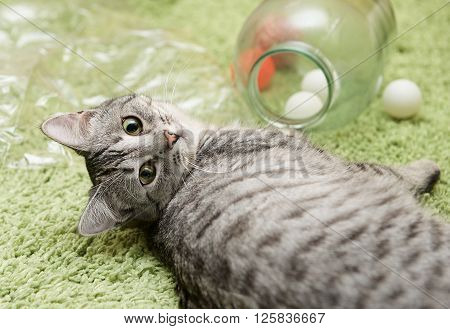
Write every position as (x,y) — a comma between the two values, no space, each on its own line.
(422,174)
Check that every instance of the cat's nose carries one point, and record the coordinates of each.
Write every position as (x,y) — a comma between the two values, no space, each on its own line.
(171,138)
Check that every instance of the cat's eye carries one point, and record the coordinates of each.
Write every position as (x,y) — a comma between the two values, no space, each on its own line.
(132,126)
(147,173)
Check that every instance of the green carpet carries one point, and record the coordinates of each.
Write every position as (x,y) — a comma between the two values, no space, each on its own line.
(45,264)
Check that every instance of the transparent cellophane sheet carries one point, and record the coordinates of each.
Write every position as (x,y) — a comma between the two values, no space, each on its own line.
(65,56)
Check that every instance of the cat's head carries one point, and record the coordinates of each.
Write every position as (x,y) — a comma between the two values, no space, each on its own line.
(135,153)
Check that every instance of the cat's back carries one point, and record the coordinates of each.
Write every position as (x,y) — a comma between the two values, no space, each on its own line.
(271,221)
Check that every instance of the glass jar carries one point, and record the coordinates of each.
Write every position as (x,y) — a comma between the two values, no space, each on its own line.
(341,42)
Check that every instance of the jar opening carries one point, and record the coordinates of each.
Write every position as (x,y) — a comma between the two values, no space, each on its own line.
(292,85)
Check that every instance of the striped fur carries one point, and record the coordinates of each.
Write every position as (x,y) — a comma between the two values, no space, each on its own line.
(260,218)
(314,233)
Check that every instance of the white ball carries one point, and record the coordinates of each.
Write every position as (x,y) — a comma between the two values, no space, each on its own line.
(402,99)
(302,105)
(316,82)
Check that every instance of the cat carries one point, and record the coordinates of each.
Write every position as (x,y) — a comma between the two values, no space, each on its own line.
(260,218)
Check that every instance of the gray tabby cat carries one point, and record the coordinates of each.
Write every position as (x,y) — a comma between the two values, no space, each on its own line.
(259,218)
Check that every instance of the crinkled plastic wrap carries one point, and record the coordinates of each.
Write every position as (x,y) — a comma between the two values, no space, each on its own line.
(66,58)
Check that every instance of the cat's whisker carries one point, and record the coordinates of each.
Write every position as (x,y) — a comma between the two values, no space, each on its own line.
(182,176)
(188,63)
(159,111)
(98,187)
(128,191)
(111,181)
(184,165)
(189,170)
(105,181)
(157,108)
(167,81)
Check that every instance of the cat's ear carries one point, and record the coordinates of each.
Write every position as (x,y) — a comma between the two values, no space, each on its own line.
(69,129)
(98,216)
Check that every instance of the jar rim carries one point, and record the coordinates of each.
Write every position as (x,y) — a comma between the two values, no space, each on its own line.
(314,56)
